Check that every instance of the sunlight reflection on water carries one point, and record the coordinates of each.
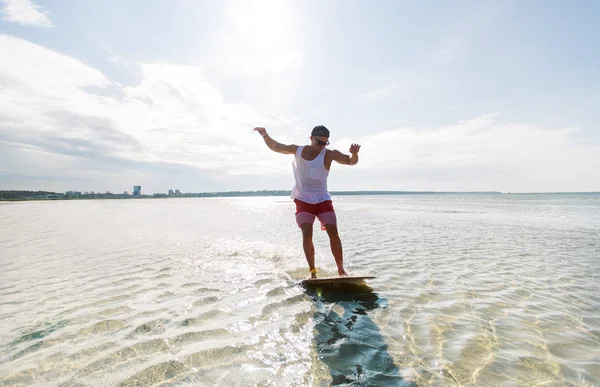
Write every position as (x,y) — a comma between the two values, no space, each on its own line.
(476,289)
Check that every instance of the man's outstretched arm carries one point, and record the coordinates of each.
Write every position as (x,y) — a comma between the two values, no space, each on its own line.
(274,145)
(345,159)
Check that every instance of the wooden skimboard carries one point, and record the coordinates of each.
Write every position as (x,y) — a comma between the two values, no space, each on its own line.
(336,281)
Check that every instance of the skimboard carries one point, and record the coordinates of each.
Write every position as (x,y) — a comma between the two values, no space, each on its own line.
(336,281)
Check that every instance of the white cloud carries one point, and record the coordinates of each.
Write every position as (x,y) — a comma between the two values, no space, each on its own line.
(59,114)
(174,116)
(25,12)
(482,154)
(42,70)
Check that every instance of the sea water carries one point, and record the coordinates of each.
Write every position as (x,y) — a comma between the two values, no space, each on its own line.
(471,289)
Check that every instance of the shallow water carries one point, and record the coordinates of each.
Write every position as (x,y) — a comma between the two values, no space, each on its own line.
(470,290)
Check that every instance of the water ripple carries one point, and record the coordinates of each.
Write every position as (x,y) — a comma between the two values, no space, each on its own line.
(469,291)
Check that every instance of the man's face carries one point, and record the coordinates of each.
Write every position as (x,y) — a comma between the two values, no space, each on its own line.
(320,141)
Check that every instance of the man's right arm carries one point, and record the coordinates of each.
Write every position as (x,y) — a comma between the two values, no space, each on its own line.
(274,145)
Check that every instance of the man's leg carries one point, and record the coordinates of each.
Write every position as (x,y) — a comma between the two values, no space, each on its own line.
(309,247)
(336,247)
(305,221)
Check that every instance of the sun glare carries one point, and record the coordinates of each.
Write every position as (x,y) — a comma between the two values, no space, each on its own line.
(259,35)
(263,24)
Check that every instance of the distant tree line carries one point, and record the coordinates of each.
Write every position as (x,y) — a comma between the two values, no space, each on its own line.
(33,195)
(17,195)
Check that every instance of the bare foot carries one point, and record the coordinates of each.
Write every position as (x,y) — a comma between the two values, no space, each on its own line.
(342,273)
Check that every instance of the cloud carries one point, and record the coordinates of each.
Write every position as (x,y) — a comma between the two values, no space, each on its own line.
(38,69)
(54,104)
(481,154)
(25,12)
(62,119)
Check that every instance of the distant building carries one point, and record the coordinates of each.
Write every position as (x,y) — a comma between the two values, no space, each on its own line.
(177,193)
(137,190)
(171,193)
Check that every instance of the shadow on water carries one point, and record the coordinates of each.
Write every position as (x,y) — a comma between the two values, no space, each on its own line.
(348,340)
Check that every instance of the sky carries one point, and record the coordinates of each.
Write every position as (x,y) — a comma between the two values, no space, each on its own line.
(441,95)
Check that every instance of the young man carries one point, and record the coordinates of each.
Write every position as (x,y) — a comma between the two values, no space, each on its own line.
(311,169)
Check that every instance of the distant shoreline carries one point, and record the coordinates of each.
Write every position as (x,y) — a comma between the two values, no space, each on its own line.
(47,195)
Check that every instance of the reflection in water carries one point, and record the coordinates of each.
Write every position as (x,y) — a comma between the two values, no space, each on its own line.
(348,340)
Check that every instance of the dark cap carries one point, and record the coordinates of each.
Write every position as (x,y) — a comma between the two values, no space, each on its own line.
(320,131)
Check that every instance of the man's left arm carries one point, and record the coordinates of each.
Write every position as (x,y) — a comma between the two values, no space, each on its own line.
(345,159)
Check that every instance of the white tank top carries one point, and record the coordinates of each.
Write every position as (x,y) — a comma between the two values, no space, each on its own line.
(310,178)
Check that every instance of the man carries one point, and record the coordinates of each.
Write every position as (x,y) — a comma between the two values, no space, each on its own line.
(311,169)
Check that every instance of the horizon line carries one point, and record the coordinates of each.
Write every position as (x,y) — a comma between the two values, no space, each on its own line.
(288,191)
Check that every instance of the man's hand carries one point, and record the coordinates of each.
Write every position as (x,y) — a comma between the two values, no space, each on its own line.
(354,148)
(262,131)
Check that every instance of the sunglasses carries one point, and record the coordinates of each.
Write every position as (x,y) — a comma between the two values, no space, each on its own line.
(321,143)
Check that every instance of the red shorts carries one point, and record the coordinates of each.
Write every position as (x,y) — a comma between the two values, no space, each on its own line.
(306,213)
